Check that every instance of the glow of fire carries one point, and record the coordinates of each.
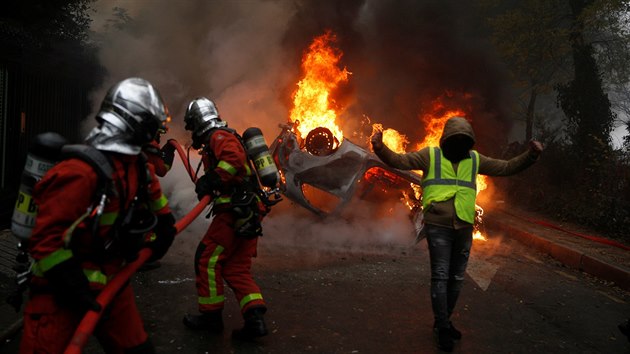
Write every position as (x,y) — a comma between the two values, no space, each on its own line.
(312,105)
(392,138)
(433,131)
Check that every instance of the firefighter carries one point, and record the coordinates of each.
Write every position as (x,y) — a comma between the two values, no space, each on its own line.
(224,253)
(162,160)
(449,193)
(89,227)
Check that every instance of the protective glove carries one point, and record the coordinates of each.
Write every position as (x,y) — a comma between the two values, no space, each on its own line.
(207,184)
(165,232)
(71,288)
(168,154)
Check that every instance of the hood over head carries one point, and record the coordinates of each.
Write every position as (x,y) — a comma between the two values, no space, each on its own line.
(457,139)
(457,126)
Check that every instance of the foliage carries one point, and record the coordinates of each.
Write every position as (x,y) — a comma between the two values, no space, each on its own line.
(586,106)
(553,187)
(580,48)
(531,37)
(534,37)
(49,20)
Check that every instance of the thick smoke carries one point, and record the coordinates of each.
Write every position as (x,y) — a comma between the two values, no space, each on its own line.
(245,55)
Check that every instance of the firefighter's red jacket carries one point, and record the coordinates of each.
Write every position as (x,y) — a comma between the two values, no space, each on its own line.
(64,196)
(226,155)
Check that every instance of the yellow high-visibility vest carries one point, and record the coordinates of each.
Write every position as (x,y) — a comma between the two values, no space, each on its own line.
(442,183)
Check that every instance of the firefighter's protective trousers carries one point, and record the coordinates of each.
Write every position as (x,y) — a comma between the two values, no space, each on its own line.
(228,261)
(49,327)
(221,255)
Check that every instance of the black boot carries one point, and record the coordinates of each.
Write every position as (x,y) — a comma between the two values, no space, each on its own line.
(624,327)
(444,339)
(211,321)
(254,324)
(455,333)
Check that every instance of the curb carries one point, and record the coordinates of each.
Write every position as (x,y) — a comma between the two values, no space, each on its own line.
(566,255)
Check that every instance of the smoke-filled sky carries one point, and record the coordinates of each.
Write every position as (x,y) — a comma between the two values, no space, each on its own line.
(245,54)
(404,56)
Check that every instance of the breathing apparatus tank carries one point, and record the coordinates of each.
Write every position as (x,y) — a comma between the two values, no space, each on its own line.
(259,153)
(43,153)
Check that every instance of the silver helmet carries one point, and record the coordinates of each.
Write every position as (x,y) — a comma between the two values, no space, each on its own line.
(202,115)
(131,115)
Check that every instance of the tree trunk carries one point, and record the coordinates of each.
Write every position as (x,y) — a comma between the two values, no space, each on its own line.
(529,119)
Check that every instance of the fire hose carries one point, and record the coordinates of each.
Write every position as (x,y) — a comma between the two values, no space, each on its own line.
(184,158)
(91,318)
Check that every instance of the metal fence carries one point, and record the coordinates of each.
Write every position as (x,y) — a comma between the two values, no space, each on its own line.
(35,98)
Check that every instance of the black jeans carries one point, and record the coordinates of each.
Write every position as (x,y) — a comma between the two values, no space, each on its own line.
(449,250)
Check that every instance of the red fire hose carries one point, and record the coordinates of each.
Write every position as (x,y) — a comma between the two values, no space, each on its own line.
(89,321)
(183,157)
(91,318)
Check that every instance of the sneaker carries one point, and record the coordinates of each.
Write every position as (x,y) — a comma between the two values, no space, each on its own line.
(211,321)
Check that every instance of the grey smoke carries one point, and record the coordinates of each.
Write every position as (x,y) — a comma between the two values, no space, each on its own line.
(245,55)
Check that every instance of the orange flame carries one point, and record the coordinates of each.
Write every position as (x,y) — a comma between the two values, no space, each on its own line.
(312,105)
(394,140)
(434,125)
(433,131)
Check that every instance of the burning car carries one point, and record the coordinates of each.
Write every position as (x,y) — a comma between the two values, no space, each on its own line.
(320,168)
(319,164)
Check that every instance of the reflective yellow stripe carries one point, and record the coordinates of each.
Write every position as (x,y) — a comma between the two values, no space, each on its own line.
(248,171)
(212,282)
(227,167)
(222,200)
(45,264)
(159,203)
(95,276)
(249,298)
(211,300)
(108,218)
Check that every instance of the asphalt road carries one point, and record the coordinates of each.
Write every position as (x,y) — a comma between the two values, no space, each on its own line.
(349,286)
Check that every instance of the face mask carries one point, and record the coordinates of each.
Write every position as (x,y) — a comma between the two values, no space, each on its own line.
(457,148)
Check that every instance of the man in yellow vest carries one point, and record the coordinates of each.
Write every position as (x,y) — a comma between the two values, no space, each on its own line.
(449,192)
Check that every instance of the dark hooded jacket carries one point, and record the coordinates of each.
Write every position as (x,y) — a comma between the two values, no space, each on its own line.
(443,213)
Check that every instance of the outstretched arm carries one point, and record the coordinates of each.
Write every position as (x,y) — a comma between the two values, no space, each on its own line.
(418,160)
(495,167)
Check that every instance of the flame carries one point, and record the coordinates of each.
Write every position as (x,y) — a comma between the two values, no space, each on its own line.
(433,131)
(394,140)
(434,125)
(312,105)
(477,235)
